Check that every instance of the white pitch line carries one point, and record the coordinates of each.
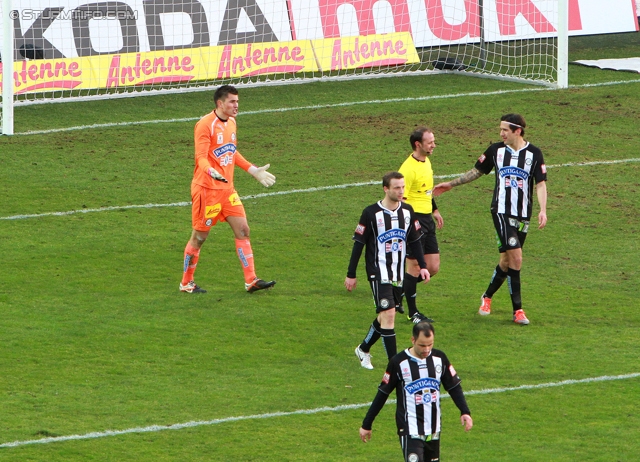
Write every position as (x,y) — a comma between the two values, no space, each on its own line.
(324,106)
(158,428)
(282,193)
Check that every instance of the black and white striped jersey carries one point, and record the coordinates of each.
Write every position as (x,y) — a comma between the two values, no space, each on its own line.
(386,234)
(515,174)
(417,383)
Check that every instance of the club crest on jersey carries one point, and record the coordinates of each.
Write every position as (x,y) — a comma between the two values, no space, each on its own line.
(393,246)
(360,229)
(422,384)
(426,398)
(233,136)
(513,183)
(220,138)
(392,234)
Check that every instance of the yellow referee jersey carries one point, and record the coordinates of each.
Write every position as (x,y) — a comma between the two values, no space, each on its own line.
(418,183)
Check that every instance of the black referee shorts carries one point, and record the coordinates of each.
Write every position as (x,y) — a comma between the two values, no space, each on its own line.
(428,240)
(510,232)
(417,450)
(385,296)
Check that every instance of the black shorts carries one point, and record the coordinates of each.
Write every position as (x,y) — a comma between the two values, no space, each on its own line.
(385,296)
(428,240)
(510,232)
(417,450)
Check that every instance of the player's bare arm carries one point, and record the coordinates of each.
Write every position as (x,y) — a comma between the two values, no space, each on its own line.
(541,192)
(438,218)
(468,177)
(465,178)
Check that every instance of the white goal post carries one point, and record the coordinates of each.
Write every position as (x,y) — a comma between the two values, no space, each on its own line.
(67,50)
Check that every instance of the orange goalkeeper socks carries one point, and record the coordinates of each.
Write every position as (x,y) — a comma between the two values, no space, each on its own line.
(191,255)
(245,254)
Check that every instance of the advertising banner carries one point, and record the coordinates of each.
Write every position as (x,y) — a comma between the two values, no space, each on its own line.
(79,44)
(209,63)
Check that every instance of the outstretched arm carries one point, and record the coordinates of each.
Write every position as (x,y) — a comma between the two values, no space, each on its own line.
(465,178)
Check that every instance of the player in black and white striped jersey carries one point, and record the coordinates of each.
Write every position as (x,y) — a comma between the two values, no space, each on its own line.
(385,229)
(518,165)
(417,374)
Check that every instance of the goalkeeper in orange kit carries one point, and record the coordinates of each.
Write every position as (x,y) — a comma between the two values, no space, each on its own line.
(213,196)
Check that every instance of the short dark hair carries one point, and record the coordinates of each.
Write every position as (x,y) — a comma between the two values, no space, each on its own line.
(417,135)
(515,121)
(386,179)
(224,91)
(425,327)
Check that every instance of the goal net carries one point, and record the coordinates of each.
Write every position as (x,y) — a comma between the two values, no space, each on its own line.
(66,49)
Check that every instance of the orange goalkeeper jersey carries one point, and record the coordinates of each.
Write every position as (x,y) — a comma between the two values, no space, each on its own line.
(215,143)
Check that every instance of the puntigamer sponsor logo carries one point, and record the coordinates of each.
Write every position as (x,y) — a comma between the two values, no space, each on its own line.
(392,234)
(222,150)
(513,171)
(422,384)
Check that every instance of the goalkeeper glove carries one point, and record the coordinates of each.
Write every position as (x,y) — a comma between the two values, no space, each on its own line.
(213,173)
(261,174)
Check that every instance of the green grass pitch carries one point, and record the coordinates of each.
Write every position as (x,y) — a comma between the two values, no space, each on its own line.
(96,337)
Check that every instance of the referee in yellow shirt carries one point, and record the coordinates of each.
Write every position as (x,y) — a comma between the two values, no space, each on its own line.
(418,176)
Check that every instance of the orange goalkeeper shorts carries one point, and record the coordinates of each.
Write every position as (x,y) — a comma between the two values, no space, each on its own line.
(210,206)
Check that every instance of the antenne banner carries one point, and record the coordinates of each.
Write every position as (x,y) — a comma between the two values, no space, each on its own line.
(73,44)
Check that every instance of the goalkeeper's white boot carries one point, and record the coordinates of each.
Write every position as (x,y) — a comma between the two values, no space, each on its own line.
(258,284)
(192,288)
